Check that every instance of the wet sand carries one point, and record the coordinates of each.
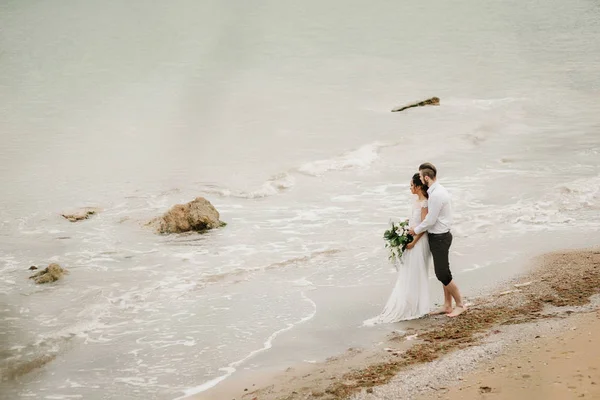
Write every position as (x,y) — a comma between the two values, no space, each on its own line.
(505,327)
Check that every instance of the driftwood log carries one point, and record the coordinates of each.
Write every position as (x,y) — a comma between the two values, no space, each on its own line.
(434,101)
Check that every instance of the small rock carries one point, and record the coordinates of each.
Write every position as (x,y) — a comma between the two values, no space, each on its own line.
(198,215)
(53,273)
(81,214)
(33,267)
(526,376)
(369,390)
(485,389)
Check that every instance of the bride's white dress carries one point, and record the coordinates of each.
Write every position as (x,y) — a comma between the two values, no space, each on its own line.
(410,297)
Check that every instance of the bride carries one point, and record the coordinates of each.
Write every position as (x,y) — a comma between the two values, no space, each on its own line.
(410,297)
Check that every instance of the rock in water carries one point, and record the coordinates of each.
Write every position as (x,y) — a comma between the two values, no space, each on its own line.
(197,215)
(81,214)
(53,273)
(434,101)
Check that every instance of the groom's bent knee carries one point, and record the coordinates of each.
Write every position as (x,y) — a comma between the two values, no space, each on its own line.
(444,276)
(447,280)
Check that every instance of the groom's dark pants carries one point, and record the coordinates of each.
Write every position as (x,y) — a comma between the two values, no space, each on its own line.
(439,244)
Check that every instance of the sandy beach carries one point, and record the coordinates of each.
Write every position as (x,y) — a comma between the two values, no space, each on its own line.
(554,365)
(534,334)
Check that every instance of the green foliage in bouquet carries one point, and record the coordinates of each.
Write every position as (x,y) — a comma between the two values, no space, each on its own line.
(397,237)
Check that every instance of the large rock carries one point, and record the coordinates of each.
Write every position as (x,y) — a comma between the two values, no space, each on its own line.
(197,215)
(81,214)
(53,273)
(434,101)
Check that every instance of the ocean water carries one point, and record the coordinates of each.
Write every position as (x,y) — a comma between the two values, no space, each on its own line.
(279,114)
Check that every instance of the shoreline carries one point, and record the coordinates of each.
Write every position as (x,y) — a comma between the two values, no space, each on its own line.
(556,287)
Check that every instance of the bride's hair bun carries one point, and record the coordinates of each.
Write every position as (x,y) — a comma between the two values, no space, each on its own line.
(416,180)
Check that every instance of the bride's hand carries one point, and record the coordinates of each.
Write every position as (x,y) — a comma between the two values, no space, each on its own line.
(410,245)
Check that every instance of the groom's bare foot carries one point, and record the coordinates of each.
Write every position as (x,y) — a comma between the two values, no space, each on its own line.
(441,310)
(457,311)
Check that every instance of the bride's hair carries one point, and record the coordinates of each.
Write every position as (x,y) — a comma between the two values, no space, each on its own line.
(416,180)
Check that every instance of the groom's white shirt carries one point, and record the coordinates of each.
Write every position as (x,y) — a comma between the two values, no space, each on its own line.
(439,215)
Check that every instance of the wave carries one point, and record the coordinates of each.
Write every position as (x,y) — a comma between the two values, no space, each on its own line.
(232,367)
(483,104)
(362,157)
(21,360)
(495,103)
(579,194)
(558,208)
(214,278)
(520,216)
(13,368)
(271,187)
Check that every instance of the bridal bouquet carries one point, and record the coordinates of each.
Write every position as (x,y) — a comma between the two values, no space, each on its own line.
(397,237)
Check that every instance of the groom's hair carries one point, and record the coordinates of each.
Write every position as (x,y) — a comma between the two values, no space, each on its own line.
(430,166)
(428,172)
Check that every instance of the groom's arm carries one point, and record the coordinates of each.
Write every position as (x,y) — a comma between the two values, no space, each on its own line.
(435,206)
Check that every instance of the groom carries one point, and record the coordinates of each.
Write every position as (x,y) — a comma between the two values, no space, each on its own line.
(437,224)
